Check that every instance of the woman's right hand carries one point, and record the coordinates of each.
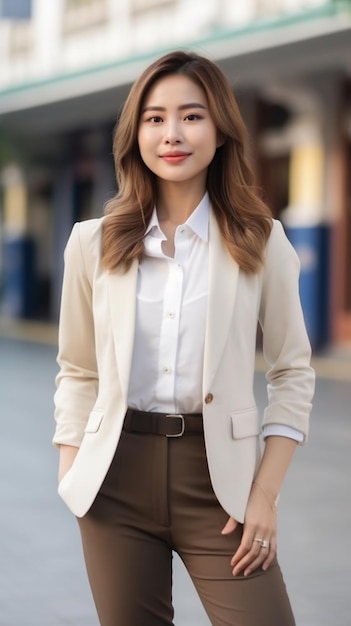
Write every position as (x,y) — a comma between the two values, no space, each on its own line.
(67,456)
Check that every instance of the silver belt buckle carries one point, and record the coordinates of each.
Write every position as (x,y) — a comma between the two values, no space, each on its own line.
(181,417)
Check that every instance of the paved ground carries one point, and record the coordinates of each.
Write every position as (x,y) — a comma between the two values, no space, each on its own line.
(42,578)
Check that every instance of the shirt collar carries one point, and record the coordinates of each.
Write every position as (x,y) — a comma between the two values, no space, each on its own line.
(197,221)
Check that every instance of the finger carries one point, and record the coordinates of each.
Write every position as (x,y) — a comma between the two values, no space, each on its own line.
(230,526)
(260,559)
(264,558)
(257,562)
(253,552)
(247,544)
(244,563)
(246,552)
(272,553)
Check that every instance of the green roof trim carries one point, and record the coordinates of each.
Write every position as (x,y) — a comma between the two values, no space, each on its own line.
(331,8)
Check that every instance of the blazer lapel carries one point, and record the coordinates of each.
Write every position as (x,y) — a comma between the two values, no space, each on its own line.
(122,300)
(223,280)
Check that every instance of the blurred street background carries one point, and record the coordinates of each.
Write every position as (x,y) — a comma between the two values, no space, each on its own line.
(65,69)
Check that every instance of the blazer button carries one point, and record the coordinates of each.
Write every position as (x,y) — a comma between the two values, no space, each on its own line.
(209,398)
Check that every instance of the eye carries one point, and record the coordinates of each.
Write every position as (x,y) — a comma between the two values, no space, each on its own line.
(154,119)
(192,117)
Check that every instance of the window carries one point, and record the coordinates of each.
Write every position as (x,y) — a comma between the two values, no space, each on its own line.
(141,6)
(84,14)
(20,39)
(268,7)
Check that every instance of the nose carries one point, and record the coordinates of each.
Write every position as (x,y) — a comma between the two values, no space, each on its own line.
(173,133)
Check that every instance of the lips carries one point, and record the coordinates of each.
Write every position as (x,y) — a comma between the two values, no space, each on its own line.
(175,157)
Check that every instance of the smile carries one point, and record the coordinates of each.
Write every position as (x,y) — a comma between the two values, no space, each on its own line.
(175,157)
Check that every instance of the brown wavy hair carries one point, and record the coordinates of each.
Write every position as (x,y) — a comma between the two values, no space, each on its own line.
(243,218)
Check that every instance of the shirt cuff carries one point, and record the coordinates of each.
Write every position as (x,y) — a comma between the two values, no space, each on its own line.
(281,430)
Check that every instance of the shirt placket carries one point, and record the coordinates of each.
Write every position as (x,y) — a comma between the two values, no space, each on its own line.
(170,326)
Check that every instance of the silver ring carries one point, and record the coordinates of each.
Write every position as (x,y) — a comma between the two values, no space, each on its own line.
(258,540)
(265,544)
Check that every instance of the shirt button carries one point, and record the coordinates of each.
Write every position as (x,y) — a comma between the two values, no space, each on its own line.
(209,398)
(167,370)
(171,314)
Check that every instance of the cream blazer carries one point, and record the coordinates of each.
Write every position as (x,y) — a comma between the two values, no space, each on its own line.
(96,335)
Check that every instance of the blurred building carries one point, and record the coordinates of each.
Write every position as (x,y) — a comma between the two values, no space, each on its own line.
(65,69)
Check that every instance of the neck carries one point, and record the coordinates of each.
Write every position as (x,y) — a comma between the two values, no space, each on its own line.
(175,203)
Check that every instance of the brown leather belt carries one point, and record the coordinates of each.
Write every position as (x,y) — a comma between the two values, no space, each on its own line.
(167,424)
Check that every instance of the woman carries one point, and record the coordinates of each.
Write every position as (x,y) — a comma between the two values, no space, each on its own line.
(157,424)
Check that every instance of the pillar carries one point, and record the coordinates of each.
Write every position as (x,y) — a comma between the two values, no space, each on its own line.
(19,267)
(303,218)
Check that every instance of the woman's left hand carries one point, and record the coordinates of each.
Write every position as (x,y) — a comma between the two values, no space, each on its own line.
(260,525)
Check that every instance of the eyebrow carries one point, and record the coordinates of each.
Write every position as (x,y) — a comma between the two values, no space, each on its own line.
(182,107)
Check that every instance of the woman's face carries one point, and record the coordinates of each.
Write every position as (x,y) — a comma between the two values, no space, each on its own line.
(177,137)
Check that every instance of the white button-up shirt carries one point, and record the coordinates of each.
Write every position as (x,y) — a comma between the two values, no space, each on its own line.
(167,363)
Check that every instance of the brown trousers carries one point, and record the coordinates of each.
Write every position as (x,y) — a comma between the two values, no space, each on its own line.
(156,498)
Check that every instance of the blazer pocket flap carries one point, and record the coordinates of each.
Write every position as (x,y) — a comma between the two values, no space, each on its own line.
(245,424)
(94,421)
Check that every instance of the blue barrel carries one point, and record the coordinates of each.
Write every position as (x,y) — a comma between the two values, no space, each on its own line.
(19,277)
(312,246)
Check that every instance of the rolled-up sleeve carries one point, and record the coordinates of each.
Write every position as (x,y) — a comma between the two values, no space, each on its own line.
(286,346)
